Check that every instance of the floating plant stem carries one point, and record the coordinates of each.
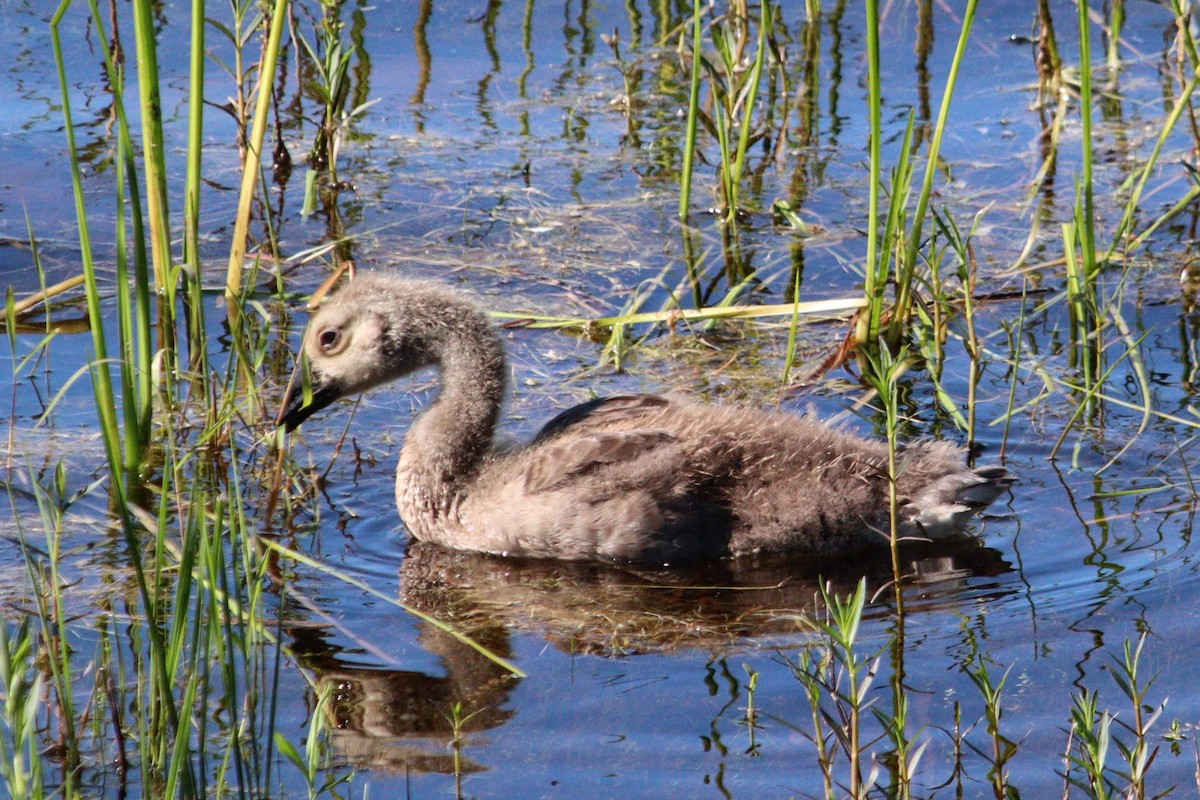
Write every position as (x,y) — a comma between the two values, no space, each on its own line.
(833,308)
(442,626)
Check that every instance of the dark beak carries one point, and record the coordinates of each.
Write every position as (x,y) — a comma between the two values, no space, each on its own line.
(293,411)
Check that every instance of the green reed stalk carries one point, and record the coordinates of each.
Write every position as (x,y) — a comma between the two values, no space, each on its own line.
(845,616)
(1123,227)
(212,611)
(250,170)
(21,685)
(241,591)
(1116,21)
(239,33)
(137,424)
(1087,224)
(44,575)
(167,669)
(1091,394)
(892,238)
(894,241)
(134,315)
(1016,341)
(1179,207)
(734,171)
(1140,377)
(221,642)
(750,719)
(153,151)
(312,761)
(836,686)
(812,669)
(244,587)
(1140,755)
(215,634)
(243,328)
(883,374)
(907,272)
(191,212)
(101,376)
(125,335)
(1003,748)
(458,722)
(330,64)
(789,360)
(868,323)
(906,757)
(932,346)
(197,337)
(966,277)
(1182,11)
(1083,304)
(1093,730)
(723,101)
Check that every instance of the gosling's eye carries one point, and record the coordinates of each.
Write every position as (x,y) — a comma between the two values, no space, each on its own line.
(329,338)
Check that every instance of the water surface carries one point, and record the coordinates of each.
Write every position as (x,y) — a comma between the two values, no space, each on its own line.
(499,156)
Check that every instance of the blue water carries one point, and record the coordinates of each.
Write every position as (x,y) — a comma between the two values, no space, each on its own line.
(637,687)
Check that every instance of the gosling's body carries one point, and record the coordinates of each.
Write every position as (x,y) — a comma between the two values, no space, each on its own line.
(633,478)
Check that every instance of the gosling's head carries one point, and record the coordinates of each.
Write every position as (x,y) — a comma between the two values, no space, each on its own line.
(373,330)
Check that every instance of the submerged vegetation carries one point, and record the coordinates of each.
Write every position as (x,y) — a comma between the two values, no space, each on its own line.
(159,671)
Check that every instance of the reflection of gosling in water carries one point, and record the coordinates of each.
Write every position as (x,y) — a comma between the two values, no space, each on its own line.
(629,478)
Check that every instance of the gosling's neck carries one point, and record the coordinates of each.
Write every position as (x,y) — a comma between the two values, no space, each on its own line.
(448,443)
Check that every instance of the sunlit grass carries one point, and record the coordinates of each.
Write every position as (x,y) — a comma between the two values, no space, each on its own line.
(1109,753)
(183,693)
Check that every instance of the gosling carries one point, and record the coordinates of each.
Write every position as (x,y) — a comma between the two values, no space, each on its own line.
(632,478)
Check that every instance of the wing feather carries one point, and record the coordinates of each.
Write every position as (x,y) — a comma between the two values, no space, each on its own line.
(561,461)
(601,411)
